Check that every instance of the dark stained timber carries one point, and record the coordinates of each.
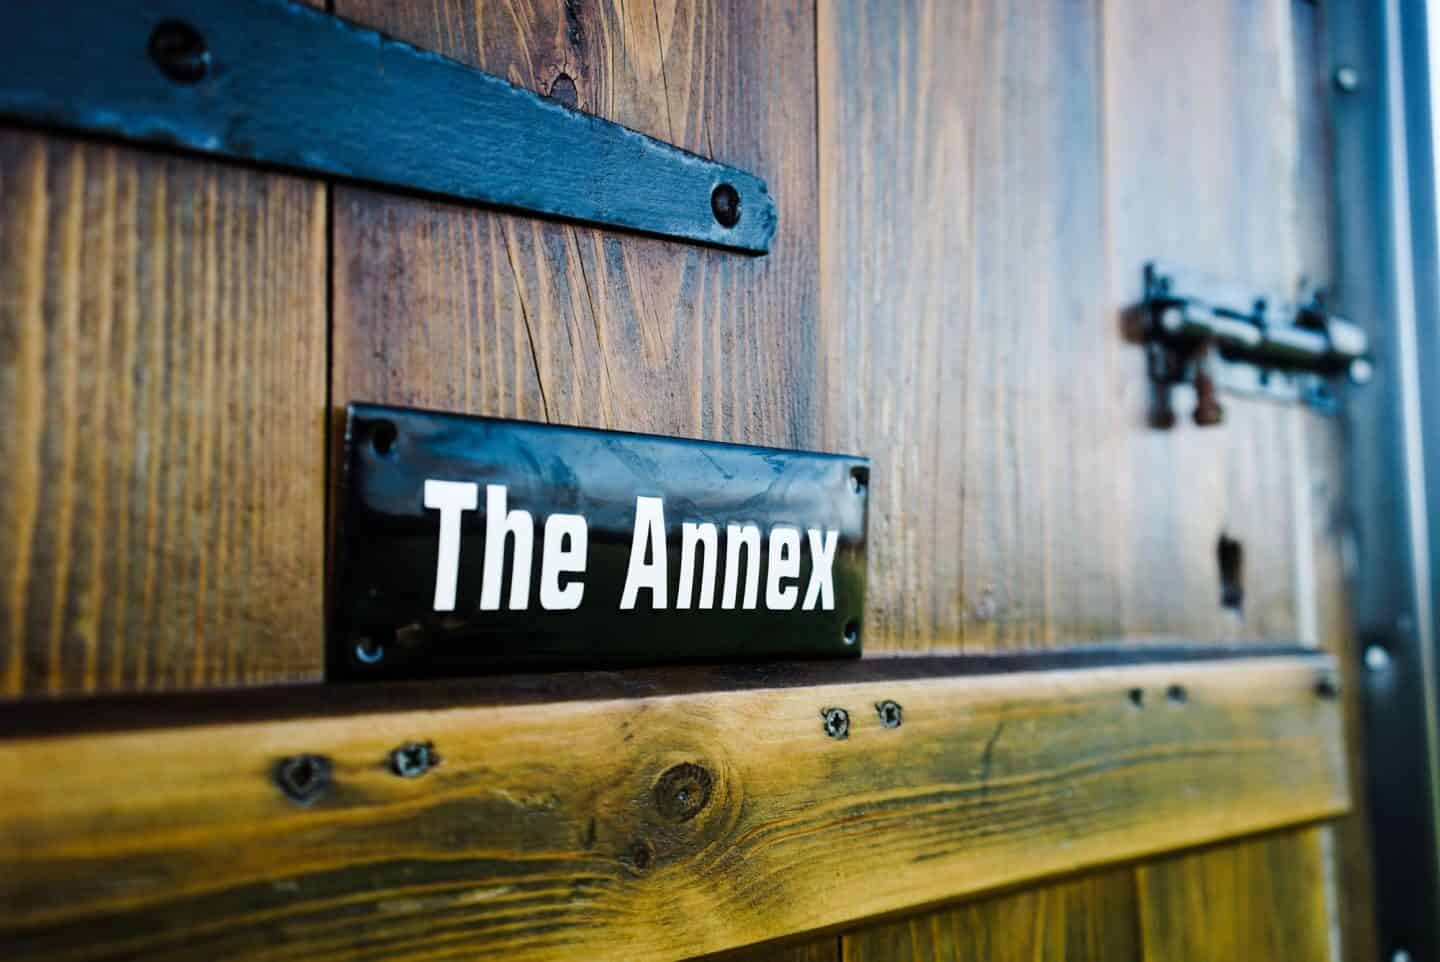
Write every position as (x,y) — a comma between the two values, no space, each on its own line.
(275,82)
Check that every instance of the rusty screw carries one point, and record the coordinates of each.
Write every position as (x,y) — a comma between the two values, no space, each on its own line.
(837,722)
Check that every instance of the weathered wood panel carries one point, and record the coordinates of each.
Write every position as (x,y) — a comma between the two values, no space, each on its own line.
(1262,901)
(1089,919)
(676,823)
(968,349)
(974,281)
(162,363)
(473,311)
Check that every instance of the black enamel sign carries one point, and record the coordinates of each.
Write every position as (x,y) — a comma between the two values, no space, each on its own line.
(473,545)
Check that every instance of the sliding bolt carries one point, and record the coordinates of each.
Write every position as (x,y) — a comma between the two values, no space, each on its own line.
(1208,411)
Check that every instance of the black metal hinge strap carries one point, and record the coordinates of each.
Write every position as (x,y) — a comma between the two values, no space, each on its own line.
(278,83)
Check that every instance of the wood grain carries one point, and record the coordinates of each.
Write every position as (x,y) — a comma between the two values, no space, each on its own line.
(472,311)
(1262,901)
(1088,919)
(174,841)
(162,351)
(973,282)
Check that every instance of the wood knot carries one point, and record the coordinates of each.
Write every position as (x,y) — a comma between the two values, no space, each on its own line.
(562,88)
(682,791)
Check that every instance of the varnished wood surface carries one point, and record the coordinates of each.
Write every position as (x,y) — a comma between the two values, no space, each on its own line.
(665,827)
(1261,900)
(472,311)
(162,369)
(1088,919)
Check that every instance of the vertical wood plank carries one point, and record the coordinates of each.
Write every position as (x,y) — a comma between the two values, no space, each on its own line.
(474,311)
(1088,919)
(162,360)
(1261,900)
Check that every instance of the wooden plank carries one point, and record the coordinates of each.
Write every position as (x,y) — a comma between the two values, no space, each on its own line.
(677,823)
(477,312)
(1088,919)
(973,342)
(1262,901)
(162,363)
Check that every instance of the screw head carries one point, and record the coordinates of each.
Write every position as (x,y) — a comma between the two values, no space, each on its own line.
(303,778)
(1347,79)
(837,722)
(180,52)
(725,205)
(1400,955)
(890,713)
(1361,370)
(1377,658)
(413,759)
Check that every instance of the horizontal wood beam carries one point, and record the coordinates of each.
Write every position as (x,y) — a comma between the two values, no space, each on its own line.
(674,822)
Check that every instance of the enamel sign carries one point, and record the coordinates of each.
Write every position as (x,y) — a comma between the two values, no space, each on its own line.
(472,545)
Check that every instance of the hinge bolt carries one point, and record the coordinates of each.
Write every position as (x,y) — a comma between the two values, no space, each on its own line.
(1377,658)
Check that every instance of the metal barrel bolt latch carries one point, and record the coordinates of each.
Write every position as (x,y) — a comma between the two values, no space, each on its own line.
(1213,336)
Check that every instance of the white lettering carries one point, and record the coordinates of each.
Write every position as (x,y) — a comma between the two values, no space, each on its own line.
(737,537)
(451,499)
(822,553)
(691,536)
(500,525)
(647,538)
(567,540)
(784,563)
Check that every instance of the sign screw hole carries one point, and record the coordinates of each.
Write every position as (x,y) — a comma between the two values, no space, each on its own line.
(859,480)
(1137,697)
(852,632)
(368,651)
(837,722)
(725,205)
(383,435)
(1177,694)
(180,52)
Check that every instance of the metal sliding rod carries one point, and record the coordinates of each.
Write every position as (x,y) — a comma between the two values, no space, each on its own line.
(278,83)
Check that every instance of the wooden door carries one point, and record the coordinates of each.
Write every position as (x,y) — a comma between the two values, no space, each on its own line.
(967,192)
